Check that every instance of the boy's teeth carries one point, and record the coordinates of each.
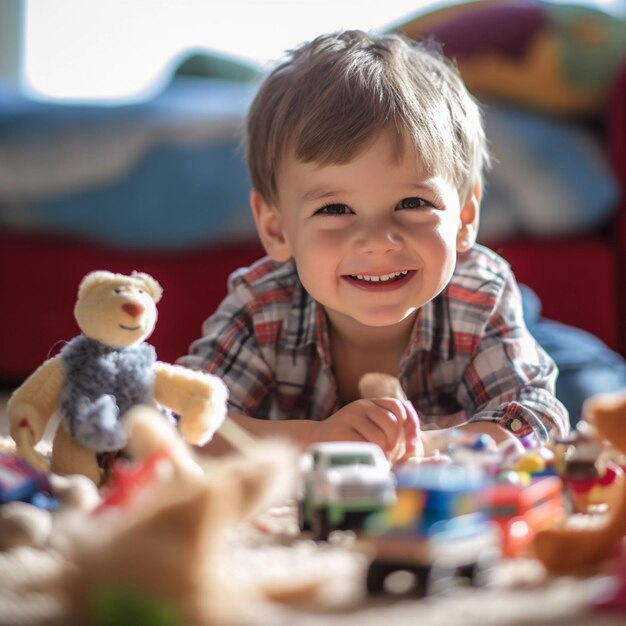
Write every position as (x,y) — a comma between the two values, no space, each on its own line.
(384,278)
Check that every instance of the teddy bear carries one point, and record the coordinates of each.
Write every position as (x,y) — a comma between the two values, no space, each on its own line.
(103,372)
(574,548)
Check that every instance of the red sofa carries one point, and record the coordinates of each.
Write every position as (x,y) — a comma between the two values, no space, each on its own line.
(580,279)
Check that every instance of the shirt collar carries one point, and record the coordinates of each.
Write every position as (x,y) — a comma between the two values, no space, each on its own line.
(306,325)
(431,331)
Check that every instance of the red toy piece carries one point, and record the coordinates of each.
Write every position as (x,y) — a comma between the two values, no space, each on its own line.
(129,479)
(522,510)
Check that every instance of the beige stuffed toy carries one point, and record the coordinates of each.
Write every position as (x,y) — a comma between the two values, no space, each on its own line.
(167,555)
(574,549)
(102,373)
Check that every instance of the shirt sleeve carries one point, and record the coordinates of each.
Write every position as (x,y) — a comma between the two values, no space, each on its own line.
(229,349)
(510,379)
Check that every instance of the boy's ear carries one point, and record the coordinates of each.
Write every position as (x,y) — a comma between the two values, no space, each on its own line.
(468,229)
(269,226)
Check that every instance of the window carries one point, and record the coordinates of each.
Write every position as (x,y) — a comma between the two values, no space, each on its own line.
(94,49)
(118,48)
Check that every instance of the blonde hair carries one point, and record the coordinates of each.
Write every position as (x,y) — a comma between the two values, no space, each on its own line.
(335,94)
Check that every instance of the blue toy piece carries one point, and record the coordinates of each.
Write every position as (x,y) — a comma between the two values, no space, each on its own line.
(19,480)
(437,530)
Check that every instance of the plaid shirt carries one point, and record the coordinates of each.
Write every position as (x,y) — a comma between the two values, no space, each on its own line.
(470,356)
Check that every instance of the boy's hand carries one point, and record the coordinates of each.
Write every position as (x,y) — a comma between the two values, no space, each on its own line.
(379,384)
(383,421)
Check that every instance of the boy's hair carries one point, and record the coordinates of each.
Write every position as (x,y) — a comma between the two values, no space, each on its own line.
(335,94)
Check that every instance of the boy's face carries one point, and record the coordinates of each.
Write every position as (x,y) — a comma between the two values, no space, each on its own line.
(374,239)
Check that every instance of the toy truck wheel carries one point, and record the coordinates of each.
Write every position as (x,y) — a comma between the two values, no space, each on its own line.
(376,575)
(479,573)
(380,571)
(423,580)
(321,525)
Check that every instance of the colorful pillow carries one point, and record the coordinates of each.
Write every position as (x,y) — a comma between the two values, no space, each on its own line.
(553,57)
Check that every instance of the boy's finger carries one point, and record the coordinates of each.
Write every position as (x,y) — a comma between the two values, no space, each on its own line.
(370,431)
(393,405)
(411,427)
(390,414)
(389,423)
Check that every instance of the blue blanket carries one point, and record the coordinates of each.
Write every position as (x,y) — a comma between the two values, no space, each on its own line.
(166,173)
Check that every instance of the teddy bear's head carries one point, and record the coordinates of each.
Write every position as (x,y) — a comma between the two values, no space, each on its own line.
(115,309)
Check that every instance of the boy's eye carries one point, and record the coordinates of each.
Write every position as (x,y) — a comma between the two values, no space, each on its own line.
(412,203)
(334,209)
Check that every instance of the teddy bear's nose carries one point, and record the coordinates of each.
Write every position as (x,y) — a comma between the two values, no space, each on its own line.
(134,310)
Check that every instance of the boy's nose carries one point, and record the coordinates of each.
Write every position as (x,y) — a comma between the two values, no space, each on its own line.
(380,238)
(133,309)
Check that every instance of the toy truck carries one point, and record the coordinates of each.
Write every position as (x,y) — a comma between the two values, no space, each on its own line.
(436,531)
(342,483)
(522,510)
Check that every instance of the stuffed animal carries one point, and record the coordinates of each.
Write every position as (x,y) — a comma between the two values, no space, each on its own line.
(571,549)
(165,556)
(103,372)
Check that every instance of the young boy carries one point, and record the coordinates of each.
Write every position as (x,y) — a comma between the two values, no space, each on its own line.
(366,156)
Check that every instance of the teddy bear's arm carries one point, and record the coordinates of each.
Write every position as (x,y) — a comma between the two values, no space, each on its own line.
(32,404)
(199,398)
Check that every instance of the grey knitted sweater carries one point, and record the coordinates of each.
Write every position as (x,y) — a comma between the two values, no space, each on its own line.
(102,383)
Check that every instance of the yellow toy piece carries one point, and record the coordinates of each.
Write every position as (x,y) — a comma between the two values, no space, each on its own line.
(531,462)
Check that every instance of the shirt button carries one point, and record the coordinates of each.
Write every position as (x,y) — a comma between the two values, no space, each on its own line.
(516,424)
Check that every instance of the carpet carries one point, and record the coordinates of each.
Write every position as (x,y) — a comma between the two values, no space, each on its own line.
(270,552)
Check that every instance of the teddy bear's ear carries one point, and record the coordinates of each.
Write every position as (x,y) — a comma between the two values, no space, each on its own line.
(150,285)
(93,279)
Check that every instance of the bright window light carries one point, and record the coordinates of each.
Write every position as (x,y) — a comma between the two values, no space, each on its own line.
(89,49)
(121,49)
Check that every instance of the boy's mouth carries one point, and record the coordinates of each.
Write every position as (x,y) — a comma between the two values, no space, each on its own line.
(384,278)
(380,281)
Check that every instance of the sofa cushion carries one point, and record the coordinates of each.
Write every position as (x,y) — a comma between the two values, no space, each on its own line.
(549,56)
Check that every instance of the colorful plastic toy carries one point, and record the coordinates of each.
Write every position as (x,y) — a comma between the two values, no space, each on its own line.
(569,549)
(521,510)
(591,480)
(342,483)
(21,481)
(436,531)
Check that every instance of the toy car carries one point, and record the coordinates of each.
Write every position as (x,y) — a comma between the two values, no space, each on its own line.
(436,531)
(342,483)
